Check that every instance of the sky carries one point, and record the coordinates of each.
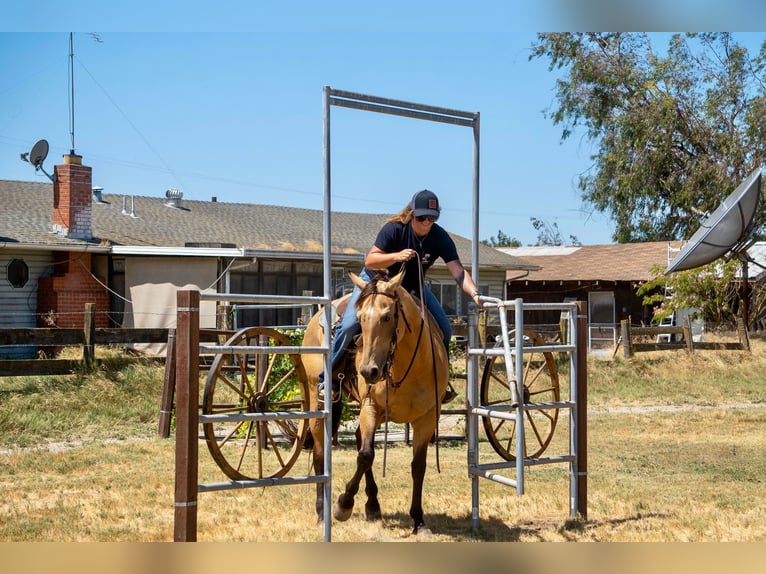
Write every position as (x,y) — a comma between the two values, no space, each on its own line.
(236,112)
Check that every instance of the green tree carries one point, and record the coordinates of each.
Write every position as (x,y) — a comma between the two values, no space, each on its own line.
(711,288)
(550,234)
(674,129)
(502,240)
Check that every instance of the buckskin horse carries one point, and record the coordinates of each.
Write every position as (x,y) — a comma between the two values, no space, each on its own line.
(399,373)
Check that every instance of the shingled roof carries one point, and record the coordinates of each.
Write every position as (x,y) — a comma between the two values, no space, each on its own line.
(26,212)
(618,262)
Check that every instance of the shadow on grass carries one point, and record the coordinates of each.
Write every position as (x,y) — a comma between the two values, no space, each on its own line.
(492,529)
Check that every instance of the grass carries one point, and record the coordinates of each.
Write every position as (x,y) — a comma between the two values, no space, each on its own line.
(80,461)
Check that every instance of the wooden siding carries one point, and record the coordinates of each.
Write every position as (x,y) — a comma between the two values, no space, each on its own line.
(18,306)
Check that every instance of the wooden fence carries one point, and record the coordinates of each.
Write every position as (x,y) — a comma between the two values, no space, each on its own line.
(661,338)
(87,338)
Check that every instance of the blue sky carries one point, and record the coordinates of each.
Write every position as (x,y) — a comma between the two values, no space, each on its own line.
(238,115)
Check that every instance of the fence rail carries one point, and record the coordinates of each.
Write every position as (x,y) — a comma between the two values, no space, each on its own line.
(642,339)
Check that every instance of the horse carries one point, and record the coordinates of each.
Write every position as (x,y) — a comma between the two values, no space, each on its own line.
(399,373)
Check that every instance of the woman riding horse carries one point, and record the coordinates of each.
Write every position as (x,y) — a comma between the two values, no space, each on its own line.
(412,240)
(402,360)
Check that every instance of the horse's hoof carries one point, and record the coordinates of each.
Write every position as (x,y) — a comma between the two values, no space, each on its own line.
(372,512)
(422,531)
(341,513)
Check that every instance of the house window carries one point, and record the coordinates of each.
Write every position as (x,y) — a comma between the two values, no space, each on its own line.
(450,295)
(275,278)
(17,273)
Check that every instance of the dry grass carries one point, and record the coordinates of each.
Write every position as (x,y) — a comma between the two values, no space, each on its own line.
(692,473)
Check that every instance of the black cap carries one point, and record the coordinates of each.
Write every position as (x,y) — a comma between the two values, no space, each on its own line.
(425,202)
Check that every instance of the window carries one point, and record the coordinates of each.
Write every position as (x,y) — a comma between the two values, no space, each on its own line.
(275,278)
(449,294)
(17,273)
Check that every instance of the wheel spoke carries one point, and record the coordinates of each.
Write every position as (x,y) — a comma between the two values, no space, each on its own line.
(242,383)
(540,385)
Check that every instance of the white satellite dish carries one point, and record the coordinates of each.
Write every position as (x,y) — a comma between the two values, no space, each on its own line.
(725,231)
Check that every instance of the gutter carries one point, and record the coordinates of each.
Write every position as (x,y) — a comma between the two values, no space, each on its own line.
(233,252)
(78,248)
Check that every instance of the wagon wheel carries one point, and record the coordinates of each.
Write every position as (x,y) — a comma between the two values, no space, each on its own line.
(541,385)
(247,382)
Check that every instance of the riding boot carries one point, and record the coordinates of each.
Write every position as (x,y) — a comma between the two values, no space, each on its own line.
(450,395)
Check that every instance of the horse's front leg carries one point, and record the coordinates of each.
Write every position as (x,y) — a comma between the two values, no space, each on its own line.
(423,430)
(364,459)
(372,506)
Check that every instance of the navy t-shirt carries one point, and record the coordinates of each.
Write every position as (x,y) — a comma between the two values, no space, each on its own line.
(395,236)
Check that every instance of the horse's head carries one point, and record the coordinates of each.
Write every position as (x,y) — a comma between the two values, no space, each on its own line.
(378,309)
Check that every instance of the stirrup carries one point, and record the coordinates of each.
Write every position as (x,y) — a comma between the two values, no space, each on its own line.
(335,394)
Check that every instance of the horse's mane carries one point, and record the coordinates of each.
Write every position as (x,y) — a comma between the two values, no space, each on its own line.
(372,286)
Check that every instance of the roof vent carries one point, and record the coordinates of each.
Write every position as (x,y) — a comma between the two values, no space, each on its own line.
(174,197)
(97,191)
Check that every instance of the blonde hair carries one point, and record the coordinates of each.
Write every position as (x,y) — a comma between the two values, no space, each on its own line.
(404,216)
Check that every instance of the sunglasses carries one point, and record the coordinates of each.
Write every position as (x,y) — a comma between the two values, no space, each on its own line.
(422,218)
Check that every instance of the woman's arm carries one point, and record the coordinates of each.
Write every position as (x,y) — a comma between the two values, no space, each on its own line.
(378,259)
(464,280)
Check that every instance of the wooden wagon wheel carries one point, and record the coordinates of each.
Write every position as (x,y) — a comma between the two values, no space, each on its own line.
(250,382)
(541,385)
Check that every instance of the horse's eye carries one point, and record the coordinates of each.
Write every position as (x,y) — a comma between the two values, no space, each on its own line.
(387,317)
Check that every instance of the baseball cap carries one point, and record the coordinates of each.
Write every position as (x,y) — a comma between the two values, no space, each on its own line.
(425,202)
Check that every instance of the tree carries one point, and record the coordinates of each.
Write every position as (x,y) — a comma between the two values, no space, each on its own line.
(711,288)
(549,233)
(502,240)
(675,130)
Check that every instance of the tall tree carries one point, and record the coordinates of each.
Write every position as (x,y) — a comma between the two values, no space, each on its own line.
(675,130)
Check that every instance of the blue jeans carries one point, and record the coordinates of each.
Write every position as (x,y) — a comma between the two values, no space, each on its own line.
(350,327)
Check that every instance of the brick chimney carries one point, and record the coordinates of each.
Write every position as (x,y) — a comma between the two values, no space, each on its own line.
(72,198)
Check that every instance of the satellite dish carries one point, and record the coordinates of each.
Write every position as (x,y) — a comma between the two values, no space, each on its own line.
(38,154)
(726,230)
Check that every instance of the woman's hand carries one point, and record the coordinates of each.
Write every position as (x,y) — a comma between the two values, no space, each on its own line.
(405,255)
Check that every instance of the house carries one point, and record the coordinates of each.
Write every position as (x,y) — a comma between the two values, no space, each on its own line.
(606,276)
(68,243)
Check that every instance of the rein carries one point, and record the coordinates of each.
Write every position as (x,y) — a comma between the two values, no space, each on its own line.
(389,364)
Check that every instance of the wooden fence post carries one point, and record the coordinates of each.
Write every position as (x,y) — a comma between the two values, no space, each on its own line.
(89,331)
(744,337)
(627,344)
(169,387)
(687,327)
(187,416)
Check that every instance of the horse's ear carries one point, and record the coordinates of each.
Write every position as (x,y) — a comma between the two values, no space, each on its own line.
(358,281)
(396,281)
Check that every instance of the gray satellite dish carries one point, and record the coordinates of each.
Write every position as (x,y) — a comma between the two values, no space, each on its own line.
(726,231)
(38,154)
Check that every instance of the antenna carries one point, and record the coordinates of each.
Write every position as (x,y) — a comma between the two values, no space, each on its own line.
(37,156)
(726,231)
(71,91)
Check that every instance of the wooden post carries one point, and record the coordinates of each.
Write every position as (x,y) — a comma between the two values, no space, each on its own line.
(582,409)
(627,344)
(89,332)
(744,337)
(187,406)
(687,327)
(169,387)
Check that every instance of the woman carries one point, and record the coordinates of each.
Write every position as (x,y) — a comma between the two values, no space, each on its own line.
(413,240)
